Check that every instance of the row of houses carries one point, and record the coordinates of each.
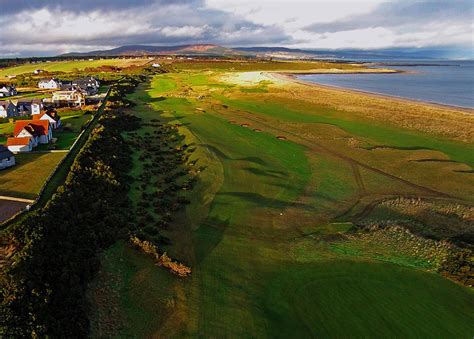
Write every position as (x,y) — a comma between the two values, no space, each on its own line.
(20,107)
(28,134)
(70,92)
(88,85)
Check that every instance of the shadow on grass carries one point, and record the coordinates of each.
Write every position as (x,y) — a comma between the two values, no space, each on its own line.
(261,201)
(266,173)
(208,236)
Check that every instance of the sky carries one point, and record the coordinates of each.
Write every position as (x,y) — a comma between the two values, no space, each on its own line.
(52,27)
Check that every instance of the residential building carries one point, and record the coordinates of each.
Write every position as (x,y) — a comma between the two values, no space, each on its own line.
(50,83)
(8,91)
(7,159)
(90,85)
(19,145)
(8,109)
(73,97)
(39,130)
(29,106)
(52,116)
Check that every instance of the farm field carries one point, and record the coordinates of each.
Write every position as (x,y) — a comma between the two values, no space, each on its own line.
(69,66)
(270,229)
(28,176)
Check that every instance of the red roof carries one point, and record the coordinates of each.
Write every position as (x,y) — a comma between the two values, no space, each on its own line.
(41,127)
(18,141)
(38,116)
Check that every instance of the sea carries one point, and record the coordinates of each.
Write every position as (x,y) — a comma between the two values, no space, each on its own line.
(435,81)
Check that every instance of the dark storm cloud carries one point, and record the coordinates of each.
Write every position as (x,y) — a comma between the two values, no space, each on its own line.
(403,15)
(16,6)
(60,25)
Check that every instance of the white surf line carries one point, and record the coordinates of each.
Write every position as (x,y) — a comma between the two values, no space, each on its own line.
(4,197)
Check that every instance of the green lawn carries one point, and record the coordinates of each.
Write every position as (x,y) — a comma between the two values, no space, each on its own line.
(28,176)
(258,271)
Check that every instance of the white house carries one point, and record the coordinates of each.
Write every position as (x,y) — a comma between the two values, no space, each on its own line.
(155,65)
(38,71)
(19,145)
(51,83)
(7,159)
(8,91)
(7,109)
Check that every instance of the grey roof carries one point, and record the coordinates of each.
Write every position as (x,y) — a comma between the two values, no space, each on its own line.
(48,79)
(30,101)
(5,152)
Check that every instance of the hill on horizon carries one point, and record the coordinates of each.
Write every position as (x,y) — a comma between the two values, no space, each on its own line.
(276,52)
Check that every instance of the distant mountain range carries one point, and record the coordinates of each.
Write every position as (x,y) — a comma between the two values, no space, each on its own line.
(137,50)
(268,52)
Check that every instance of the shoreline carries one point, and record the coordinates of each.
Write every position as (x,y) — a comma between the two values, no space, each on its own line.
(292,77)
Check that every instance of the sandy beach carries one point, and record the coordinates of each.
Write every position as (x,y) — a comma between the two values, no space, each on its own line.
(443,120)
(285,77)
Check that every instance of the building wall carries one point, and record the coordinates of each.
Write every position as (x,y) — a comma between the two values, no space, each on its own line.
(48,85)
(5,163)
(35,109)
(44,139)
(20,148)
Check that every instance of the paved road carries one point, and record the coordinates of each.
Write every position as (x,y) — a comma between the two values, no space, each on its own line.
(4,197)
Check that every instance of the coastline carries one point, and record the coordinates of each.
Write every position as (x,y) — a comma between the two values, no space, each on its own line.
(292,77)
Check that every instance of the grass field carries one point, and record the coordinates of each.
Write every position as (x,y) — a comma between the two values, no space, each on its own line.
(268,258)
(69,66)
(28,176)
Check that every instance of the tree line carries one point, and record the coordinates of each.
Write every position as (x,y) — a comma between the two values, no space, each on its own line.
(43,291)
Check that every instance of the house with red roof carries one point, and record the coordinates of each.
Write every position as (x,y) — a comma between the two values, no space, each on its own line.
(52,116)
(18,145)
(39,130)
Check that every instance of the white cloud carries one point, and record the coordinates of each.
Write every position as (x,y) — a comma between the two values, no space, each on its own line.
(184,31)
(58,26)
